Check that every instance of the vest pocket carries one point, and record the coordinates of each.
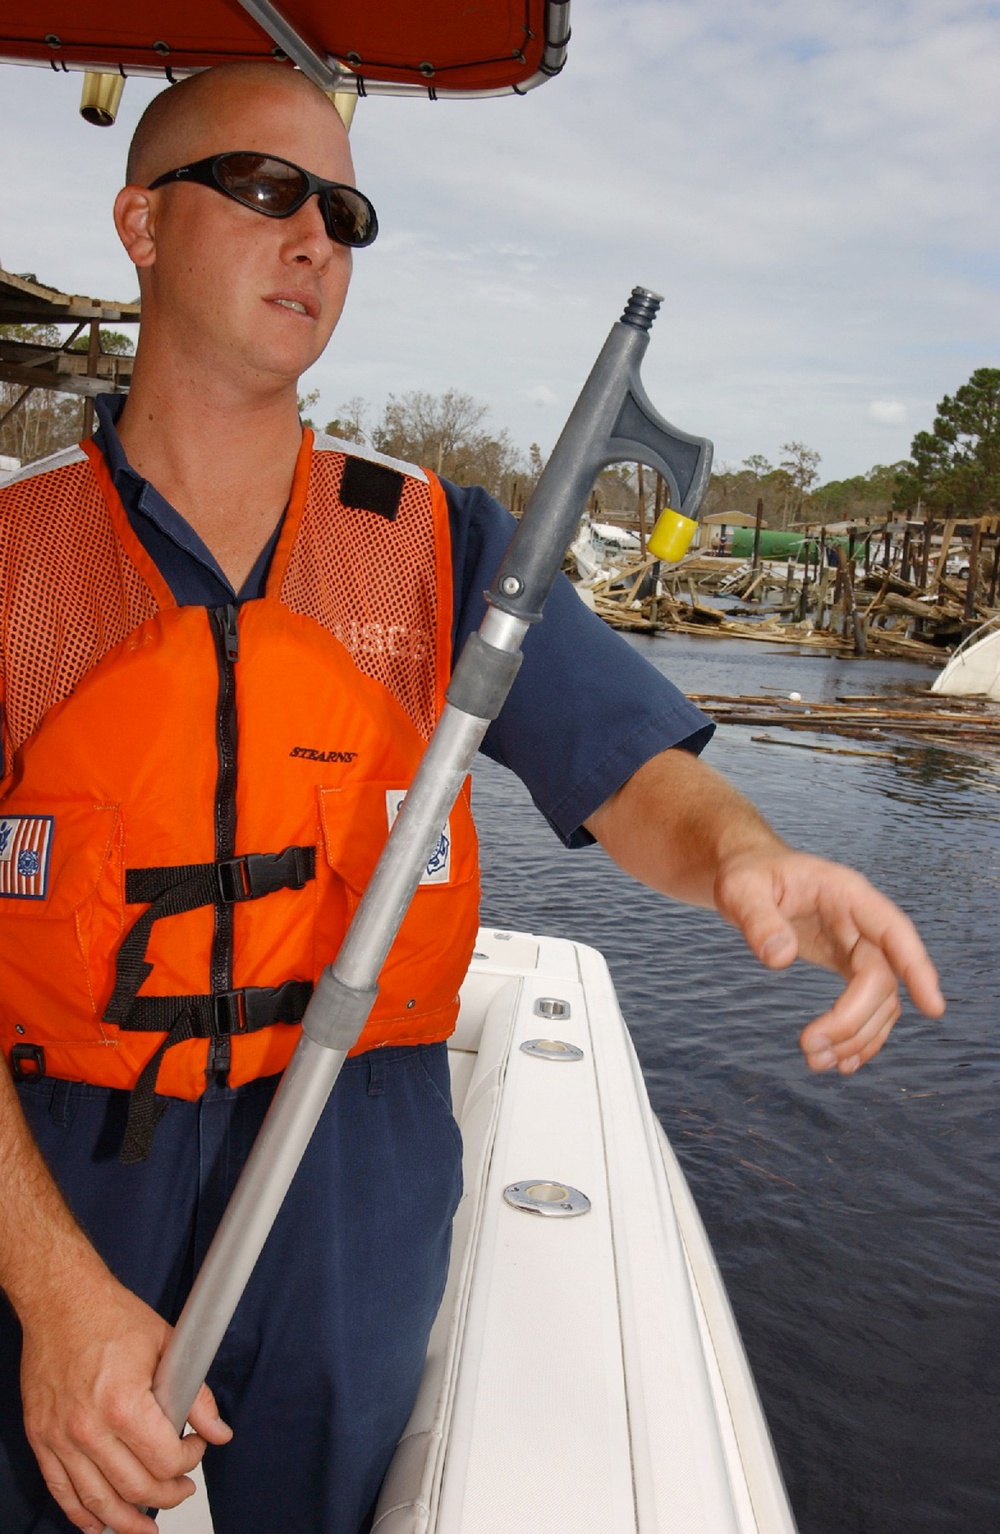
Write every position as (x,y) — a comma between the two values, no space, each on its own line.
(431,953)
(61,918)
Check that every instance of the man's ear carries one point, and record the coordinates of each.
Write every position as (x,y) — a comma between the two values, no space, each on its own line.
(135,224)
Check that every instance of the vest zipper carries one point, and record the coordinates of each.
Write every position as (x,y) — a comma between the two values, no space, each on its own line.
(225,631)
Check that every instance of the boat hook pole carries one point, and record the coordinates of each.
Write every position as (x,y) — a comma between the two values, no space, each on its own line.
(611,422)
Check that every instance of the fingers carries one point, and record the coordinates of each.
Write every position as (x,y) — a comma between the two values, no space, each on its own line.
(900,942)
(100,1482)
(793,905)
(88,1499)
(149,1438)
(745,896)
(772,939)
(204,1418)
(851,911)
(860,1020)
(848,1051)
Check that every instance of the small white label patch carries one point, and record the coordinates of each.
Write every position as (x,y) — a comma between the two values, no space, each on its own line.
(438,870)
(25,848)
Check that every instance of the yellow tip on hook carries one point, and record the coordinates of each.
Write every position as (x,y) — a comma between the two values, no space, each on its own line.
(671,537)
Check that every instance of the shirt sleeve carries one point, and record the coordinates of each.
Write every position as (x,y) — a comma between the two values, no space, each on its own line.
(586,710)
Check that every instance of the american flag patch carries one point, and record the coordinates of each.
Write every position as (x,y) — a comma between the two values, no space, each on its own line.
(25,846)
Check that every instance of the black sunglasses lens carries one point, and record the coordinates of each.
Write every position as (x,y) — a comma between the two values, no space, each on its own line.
(277,188)
(269,186)
(350,217)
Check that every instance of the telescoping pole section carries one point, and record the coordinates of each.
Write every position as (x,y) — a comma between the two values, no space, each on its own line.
(611,422)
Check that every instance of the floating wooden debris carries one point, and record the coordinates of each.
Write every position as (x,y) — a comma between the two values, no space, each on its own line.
(968,723)
(805,745)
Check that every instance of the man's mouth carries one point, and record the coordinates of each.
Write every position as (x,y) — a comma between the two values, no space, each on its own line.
(305,306)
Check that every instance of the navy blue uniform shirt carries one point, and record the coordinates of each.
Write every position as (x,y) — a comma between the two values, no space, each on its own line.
(585,710)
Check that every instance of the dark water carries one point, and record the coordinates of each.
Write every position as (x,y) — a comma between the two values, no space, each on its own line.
(856,1221)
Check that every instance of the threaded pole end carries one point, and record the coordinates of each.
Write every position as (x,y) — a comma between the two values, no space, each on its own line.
(641,309)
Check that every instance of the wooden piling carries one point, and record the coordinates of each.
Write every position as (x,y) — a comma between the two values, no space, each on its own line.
(756,531)
(904,558)
(641,509)
(925,553)
(947,534)
(972,581)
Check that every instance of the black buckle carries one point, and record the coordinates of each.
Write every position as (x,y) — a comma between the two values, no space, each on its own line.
(229,1013)
(261,873)
(21,1055)
(258,1006)
(234,880)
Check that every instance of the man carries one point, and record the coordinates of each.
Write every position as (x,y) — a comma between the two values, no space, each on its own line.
(220,650)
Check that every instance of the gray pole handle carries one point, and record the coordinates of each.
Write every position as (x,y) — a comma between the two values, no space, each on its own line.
(612,421)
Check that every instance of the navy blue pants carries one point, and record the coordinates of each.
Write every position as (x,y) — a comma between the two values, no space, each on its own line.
(320,1366)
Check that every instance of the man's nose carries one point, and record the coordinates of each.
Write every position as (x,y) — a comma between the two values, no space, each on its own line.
(306,238)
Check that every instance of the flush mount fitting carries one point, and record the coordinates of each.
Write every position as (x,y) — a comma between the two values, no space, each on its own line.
(551,1049)
(542,1196)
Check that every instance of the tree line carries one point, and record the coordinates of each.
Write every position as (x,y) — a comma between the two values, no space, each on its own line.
(953,470)
(448,433)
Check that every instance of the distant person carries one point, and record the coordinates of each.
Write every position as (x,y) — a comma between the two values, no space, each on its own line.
(223,649)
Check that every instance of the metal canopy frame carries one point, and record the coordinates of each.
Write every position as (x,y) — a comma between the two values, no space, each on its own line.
(331,75)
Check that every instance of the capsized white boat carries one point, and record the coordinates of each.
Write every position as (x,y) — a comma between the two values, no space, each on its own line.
(601,550)
(585,1372)
(974,669)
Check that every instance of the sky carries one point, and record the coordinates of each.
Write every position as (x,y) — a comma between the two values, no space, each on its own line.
(810,184)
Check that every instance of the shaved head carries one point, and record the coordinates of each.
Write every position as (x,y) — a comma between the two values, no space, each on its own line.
(178,124)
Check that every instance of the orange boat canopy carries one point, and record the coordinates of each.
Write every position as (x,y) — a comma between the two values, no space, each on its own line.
(397,47)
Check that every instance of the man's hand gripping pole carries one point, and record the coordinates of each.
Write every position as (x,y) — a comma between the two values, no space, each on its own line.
(611,422)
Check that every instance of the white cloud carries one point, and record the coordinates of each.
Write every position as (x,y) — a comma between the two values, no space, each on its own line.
(541,394)
(887,412)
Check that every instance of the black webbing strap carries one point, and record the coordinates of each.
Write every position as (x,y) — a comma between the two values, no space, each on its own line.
(198,1017)
(173,890)
(226,1013)
(145,1109)
(235,879)
(170,891)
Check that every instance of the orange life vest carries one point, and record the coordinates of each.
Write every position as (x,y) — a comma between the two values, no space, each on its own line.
(194,799)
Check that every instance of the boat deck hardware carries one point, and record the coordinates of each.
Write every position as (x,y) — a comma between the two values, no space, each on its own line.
(554,1199)
(551,1006)
(551,1049)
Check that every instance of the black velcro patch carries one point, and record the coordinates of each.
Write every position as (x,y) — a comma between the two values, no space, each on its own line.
(371,486)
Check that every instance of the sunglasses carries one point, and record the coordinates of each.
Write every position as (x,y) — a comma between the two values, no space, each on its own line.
(277,188)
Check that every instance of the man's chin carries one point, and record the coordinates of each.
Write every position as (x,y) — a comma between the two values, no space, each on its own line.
(292,359)
(283,367)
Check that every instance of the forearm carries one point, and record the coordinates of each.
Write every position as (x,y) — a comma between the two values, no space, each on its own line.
(682,829)
(676,822)
(44,1254)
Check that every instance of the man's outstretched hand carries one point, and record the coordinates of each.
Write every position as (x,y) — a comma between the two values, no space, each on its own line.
(790,905)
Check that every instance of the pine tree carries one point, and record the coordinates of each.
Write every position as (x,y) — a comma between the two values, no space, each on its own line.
(956,466)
